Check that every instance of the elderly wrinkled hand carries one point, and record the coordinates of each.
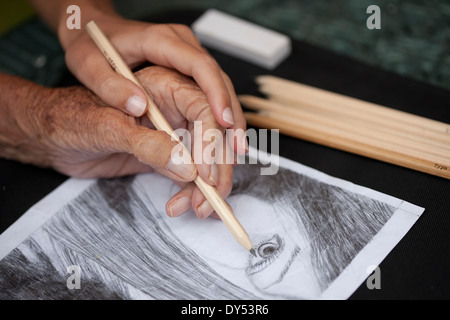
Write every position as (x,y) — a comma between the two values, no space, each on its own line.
(170,45)
(73,131)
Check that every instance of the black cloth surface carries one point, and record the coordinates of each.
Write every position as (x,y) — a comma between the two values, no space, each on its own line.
(418,267)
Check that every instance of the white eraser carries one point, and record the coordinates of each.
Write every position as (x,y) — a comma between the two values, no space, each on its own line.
(242,39)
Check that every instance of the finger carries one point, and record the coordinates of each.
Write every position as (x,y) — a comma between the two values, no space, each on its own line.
(185,33)
(181,202)
(193,62)
(236,137)
(115,165)
(200,205)
(125,164)
(209,146)
(93,70)
(158,150)
(180,98)
(238,140)
(206,146)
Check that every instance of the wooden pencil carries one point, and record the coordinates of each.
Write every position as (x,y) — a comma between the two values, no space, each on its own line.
(351,125)
(312,103)
(353,143)
(391,136)
(294,93)
(297,110)
(211,194)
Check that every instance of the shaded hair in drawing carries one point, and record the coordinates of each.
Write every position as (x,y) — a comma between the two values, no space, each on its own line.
(338,223)
(31,273)
(113,235)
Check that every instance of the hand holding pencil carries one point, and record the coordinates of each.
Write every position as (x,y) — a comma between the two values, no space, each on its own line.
(156,117)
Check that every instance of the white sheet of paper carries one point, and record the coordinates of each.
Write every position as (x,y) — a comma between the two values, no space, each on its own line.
(316,237)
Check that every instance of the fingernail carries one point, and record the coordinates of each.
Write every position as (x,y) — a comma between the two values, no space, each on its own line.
(214,174)
(136,105)
(183,169)
(246,148)
(179,206)
(227,116)
(205,209)
(242,140)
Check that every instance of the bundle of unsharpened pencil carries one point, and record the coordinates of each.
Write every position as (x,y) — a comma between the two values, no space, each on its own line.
(351,125)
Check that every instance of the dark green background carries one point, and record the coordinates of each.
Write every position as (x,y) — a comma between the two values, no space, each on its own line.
(414,40)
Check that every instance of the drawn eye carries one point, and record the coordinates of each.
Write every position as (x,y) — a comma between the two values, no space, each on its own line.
(267,249)
(267,252)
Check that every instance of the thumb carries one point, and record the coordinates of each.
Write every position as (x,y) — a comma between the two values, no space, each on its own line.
(94,72)
(120,93)
(158,150)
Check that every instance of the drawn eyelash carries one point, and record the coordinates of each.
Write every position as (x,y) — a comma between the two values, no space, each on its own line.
(268,251)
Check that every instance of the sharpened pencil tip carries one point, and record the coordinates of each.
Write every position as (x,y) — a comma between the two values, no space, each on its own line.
(252,251)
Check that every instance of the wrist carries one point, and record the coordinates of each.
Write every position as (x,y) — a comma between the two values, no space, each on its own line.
(20,109)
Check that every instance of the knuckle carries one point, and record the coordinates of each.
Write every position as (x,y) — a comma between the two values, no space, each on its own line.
(199,110)
(83,63)
(151,147)
(72,55)
(162,29)
(162,148)
(183,29)
(105,85)
(208,60)
(206,116)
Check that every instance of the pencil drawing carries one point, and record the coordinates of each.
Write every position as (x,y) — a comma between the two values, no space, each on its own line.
(306,233)
(320,229)
(110,226)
